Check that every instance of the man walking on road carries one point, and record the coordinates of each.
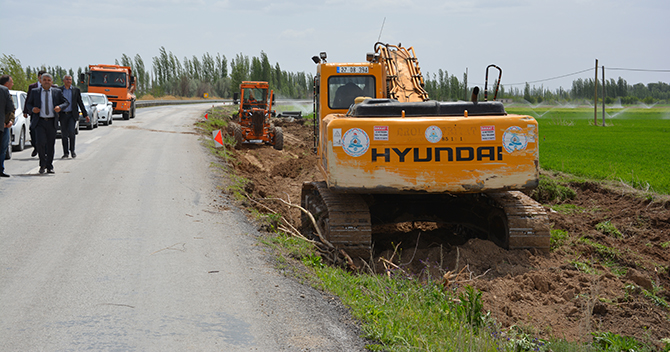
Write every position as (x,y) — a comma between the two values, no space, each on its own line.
(45,104)
(70,115)
(7,108)
(37,84)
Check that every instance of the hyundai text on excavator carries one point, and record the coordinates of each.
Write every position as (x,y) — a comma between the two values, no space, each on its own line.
(390,155)
(252,122)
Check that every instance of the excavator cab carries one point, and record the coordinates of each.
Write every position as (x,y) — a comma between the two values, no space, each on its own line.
(343,90)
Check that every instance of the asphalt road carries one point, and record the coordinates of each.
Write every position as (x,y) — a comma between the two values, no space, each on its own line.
(131,247)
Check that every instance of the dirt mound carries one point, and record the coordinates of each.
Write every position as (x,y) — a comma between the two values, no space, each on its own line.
(608,270)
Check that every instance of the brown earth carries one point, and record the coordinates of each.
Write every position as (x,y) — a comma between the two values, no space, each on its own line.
(590,283)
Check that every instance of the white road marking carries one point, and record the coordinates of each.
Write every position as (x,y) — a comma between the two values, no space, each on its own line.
(92,140)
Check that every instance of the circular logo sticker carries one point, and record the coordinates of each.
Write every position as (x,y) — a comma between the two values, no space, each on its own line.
(433,134)
(355,142)
(514,139)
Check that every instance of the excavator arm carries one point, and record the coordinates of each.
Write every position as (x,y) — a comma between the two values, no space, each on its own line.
(403,76)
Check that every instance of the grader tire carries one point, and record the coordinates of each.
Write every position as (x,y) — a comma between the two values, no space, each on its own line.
(237,134)
(279,138)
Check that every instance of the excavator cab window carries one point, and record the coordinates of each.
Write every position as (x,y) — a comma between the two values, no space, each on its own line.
(255,96)
(342,90)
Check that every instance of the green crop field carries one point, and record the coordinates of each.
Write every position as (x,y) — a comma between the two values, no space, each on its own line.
(634,147)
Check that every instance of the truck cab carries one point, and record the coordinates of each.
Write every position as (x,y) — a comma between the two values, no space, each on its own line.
(117,83)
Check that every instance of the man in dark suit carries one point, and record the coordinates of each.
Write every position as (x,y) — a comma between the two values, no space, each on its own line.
(70,115)
(7,109)
(37,84)
(45,103)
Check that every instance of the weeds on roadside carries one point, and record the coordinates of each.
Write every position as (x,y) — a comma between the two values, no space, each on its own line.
(237,186)
(607,341)
(607,228)
(568,209)
(602,250)
(651,295)
(550,190)
(558,238)
(585,267)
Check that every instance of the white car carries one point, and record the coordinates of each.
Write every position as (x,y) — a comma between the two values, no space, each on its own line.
(20,132)
(104,107)
(92,109)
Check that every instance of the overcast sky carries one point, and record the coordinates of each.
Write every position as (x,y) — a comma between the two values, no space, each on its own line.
(531,40)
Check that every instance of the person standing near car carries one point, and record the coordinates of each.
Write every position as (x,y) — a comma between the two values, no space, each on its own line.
(37,84)
(7,108)
(70,115)
(45,104)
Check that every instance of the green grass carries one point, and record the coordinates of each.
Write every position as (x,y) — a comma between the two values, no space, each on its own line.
(607,228)
(558,238)
(399,312)
(633,148)
(568,209)
(550,190)
(404,314)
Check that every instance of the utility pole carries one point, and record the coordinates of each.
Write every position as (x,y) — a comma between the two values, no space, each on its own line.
(595,98)
(465,83)
(604,95)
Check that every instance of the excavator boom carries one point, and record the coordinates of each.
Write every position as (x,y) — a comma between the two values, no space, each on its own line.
(404,80)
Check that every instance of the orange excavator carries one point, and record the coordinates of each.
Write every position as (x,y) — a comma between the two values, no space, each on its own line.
(251,124)
(390,155)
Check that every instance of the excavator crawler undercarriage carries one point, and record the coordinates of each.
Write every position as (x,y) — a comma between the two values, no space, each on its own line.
(350,221)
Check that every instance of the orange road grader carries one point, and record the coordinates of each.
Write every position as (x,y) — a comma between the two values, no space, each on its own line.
(390,155)
(251,124)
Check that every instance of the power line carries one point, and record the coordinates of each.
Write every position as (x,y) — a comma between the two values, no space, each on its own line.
(634,69)
(578,72)
(550,79)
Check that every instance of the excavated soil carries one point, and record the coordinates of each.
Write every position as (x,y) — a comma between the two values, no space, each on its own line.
(593,282)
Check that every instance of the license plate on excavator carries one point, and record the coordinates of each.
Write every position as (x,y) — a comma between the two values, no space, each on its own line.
(352,69)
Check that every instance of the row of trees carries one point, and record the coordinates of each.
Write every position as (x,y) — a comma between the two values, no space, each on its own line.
(209,74)
(216,76)
(444,87)
(189,77)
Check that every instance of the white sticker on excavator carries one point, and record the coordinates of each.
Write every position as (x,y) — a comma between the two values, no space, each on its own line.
(514,139)
(381,133)
(433,134)
(488,133)
(355,142)
(337,137)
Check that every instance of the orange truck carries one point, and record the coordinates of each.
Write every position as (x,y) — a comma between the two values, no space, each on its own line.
(389,155)
(117,83)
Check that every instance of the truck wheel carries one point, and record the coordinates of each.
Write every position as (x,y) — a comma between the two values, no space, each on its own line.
(279,138)
(237,133)
(126,115)
(132,110)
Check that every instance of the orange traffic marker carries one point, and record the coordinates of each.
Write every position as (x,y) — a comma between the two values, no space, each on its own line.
(206,116)
(218,138)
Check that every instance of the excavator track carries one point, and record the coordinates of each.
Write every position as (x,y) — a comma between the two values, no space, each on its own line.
(343,218)
(527,224)
(515,221)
